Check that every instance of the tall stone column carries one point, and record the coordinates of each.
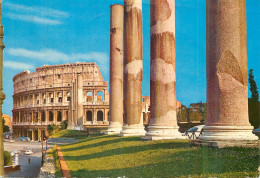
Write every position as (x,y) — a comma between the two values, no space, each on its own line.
(133,68)
(227,86)
(2,95)
(116,70)
(163,124)
(79,101)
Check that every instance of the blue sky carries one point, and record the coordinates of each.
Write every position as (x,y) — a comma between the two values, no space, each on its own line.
(39,32)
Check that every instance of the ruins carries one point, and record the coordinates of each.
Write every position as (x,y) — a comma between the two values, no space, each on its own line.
(54,93)
(227,86)
(163,123)
(116,70)
(133,69)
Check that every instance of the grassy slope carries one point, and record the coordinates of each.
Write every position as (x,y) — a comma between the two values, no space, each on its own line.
(70,134)
(112,156)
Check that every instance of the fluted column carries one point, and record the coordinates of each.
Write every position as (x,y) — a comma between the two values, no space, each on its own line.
(2,95)
(116,70)
(133,68)
(163,124)
(227,85)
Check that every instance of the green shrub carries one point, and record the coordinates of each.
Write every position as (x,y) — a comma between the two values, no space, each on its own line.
(254,113)
(58,172)
(52,129)
(7,158)
(64,125)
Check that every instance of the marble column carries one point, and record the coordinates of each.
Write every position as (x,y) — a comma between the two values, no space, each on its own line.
(133,68)
(79,101)
(227,85)
(71,123)
(116,70)
(163,124)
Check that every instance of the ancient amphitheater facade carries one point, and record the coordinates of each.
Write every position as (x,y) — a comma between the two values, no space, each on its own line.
(52,94)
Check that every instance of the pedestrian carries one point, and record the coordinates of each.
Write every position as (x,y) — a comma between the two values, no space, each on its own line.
(29,160)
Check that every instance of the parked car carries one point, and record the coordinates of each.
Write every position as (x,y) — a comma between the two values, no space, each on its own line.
(194,132)
(16,151)
(257,132)
(24,139)
(11,140)
(28,152)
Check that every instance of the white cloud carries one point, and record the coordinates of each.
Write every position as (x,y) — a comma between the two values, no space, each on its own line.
(39,15)
(18,65)
(53,57)
(31,18)
(48,55)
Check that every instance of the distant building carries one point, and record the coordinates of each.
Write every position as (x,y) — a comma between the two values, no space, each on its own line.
(196,112)
(76,93)
(8,121)
(146,108)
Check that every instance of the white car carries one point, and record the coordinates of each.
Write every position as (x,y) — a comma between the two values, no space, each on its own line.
(194,132)
(28,152)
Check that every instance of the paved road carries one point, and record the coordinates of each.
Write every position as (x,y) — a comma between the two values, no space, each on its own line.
(27,170)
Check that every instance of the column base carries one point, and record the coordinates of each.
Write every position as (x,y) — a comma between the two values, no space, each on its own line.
(227,135)
(162,133)
(113,131)
(224,144)
(132,131)
(79,128)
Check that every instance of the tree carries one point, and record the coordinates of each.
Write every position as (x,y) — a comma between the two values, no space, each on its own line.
(52,129)
(253,86)
(253,103)
(64,125)
(7,158)
(5,127)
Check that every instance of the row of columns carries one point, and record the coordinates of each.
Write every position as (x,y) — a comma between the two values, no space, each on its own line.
(227,98)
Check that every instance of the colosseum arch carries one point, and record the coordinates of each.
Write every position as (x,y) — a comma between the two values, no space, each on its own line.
(89,116)
(100,96)
(50,116)
(89,96)
(59,116)
(59,97)
(43,116)
(100,116)
(68,96)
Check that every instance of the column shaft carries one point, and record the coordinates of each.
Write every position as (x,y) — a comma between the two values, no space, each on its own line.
(133,68)
(227,88)
(163,123)
(116,70)
(79,101)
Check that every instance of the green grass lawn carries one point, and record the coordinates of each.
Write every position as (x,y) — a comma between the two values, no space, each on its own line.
(70,134)
(113,156)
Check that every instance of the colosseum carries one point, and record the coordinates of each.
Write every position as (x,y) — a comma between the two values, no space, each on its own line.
(55,93)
